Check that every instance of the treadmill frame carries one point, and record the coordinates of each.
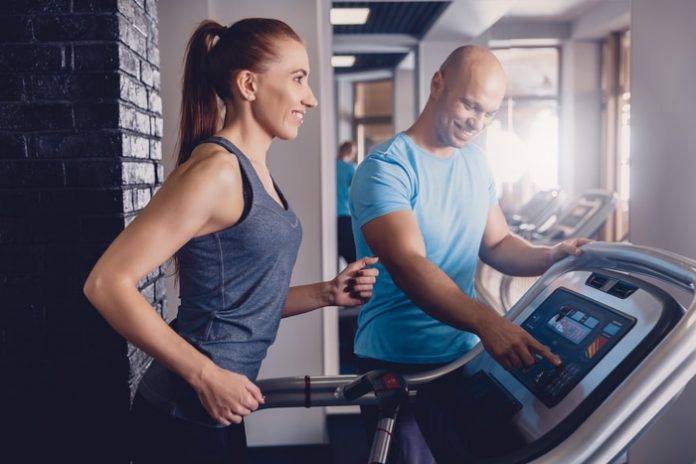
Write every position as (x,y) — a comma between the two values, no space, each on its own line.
(611,428)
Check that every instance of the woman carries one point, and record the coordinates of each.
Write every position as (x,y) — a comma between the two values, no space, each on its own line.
(345,169)
(235,241)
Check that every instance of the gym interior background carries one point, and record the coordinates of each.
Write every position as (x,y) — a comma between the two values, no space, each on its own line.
(89,95)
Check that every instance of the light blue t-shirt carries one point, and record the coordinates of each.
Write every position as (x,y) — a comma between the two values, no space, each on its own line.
(344,176)
(450,198)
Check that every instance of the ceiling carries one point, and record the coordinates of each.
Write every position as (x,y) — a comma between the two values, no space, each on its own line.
(394,28)
(411,20)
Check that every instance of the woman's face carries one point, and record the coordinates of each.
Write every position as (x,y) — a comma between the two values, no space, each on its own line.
(283,94)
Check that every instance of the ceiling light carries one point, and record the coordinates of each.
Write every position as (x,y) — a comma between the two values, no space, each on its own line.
(342,61)
(344,16)
(512,43)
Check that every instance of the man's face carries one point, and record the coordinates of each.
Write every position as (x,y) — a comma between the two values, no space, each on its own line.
(466,103)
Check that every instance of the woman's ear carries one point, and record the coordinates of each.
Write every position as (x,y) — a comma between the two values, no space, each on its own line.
(246,84)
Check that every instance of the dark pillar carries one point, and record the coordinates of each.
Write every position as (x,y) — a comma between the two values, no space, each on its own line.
(80,150)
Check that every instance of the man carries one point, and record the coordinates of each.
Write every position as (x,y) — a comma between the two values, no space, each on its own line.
(425,203)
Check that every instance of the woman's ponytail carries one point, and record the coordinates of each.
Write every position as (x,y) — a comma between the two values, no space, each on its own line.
(200,113)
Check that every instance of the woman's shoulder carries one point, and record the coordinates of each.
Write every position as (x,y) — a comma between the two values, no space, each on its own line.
(210,162)
(209,183)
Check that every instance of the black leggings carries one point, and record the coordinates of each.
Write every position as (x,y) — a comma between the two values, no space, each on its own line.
(157,437)
(408,445)
(346,243)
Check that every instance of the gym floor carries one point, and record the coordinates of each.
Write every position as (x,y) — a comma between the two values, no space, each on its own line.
(347,445)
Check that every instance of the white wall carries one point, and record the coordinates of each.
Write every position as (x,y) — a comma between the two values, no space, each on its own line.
(662,125)
(304,168)
(430,56)
(663,168)
(344,109)
(404,97)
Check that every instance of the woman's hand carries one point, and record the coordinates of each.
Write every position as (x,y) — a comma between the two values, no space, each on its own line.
(353,286)
(227,396)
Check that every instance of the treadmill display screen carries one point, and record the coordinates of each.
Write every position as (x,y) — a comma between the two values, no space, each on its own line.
(580,331)
(570,329)
(575,216)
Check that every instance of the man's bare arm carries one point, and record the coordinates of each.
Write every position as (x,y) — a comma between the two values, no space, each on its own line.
(513,255)
(397,240)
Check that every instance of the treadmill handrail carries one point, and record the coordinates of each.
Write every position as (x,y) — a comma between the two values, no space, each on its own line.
(628,257)
(428,376)
(648,261)
(651,261)
(312,391)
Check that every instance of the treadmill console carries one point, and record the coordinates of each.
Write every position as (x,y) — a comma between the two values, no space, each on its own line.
(581,219)
(601,323)
(580,331)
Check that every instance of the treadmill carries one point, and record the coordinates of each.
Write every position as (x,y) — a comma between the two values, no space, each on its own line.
(581,218)
(536,212)
(621,317)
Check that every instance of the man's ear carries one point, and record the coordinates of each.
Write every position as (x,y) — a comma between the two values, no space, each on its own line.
(246,84)
(437,84)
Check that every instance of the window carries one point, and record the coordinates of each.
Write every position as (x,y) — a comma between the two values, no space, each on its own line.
(522,142)
(616,129)
(372,114)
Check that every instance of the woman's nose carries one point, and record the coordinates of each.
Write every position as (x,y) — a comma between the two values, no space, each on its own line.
(310,100)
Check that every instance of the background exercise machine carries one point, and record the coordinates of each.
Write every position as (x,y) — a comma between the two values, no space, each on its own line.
(583,217)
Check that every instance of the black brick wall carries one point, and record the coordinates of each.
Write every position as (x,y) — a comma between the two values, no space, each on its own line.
(80,151)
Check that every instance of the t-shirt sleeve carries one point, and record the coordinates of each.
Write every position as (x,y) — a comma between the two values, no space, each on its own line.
(380,186)
(492,192)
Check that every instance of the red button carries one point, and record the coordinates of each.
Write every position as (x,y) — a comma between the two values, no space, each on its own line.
(391,381)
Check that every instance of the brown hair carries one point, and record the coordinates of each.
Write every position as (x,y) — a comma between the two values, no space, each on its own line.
(345,149)
(210,68)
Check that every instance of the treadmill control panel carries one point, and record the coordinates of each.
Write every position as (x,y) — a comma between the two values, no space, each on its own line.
(580,331)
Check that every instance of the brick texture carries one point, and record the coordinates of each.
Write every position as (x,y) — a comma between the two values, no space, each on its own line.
(80,151)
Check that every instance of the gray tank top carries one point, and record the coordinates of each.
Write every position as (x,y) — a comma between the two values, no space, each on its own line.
(233,286)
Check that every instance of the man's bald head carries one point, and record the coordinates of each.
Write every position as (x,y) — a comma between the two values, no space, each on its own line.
(472,62)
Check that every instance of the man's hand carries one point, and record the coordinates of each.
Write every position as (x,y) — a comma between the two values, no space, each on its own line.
(567,248)
(510,345)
